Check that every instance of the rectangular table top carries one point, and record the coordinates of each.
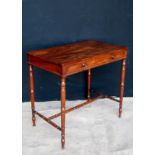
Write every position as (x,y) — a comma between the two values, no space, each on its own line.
(75,57)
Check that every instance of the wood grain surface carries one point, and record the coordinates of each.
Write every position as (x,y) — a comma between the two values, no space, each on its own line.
(76,57)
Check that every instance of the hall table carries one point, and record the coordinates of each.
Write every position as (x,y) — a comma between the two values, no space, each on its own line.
(73,58)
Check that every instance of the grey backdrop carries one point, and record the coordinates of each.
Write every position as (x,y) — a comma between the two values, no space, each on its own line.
(48,23)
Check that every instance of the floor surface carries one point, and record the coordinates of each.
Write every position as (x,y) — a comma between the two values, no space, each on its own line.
(94,129)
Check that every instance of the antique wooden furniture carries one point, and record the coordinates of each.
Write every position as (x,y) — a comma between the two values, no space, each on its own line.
(70,59)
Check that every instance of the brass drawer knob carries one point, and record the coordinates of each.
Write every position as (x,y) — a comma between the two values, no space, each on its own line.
(84,65)
(112,57)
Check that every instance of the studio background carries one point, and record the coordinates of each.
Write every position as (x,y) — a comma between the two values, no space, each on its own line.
(48,23)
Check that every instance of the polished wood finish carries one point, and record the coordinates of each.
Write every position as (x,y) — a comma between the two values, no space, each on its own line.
(112,98)
(32,95)
(122,86)
(76,107)
(88,83)
(70,59)
(73,58)
(47,120)
(63,106)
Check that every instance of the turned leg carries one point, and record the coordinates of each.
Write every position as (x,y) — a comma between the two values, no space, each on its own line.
(63,101)
(32,94)
(88,83)
(122,86)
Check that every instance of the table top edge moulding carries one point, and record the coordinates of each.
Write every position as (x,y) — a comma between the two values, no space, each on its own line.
(76,57)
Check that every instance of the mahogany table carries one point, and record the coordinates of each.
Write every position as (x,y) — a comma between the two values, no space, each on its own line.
(69,59)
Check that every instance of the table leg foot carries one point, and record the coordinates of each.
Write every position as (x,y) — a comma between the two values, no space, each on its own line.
(120,113)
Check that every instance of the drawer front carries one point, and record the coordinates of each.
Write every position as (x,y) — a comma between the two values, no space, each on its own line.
(78,67)
(93,62)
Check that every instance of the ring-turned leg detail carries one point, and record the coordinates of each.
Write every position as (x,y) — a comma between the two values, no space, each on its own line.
(32,95)
(63,102)
(122,86)
(88,83)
